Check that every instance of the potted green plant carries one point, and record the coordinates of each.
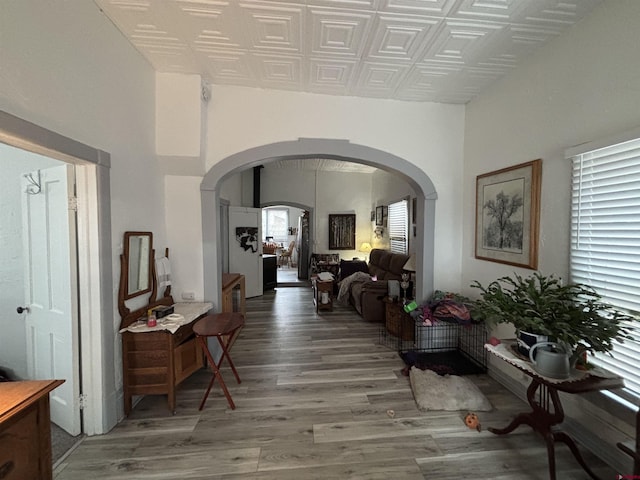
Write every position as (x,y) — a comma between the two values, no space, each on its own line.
(571,314)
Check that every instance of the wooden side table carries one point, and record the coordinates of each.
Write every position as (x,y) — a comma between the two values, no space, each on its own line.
(546,413)
(320,286)
(398,322)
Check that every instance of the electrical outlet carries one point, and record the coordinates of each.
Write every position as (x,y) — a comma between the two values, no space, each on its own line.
(188,296)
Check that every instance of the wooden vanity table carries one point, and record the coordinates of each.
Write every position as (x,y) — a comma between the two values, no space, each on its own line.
(154,360)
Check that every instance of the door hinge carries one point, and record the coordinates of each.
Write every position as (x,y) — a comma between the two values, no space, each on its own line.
(82,401)
(73,203)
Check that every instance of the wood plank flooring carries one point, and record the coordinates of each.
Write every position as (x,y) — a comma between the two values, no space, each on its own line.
(313,404)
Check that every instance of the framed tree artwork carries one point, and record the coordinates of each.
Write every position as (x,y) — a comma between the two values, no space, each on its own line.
(342,231)
(508,215)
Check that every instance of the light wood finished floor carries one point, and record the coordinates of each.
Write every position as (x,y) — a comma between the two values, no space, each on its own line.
(313,404)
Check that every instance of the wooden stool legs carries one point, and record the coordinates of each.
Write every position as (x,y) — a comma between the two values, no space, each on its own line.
(216,370)
(225,327)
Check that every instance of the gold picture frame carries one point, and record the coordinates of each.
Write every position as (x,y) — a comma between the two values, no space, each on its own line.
(508,215)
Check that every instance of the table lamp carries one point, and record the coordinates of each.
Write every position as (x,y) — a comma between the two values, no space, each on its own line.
(409,269)
(365,247)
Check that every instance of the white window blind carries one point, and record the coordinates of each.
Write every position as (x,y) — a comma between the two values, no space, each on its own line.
(605,241)
(275,223)
(398,226)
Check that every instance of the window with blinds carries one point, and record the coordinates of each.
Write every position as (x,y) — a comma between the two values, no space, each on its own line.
(605,241)
(398,226)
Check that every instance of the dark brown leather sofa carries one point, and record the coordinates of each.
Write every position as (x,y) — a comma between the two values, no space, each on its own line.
(366,296)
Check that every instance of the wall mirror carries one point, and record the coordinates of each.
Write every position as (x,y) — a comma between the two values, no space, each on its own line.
(137,271)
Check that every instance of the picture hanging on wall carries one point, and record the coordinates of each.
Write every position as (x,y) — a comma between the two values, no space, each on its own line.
(247,237)
(342,231)
(507,215)
(379,215)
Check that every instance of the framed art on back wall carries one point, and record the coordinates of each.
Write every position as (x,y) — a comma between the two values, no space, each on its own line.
(508,215)
(342,231)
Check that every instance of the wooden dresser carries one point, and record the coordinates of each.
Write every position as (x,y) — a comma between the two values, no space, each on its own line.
(25,429)
(156,361)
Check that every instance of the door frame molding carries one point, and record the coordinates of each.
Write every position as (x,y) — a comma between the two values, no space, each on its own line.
(94,260)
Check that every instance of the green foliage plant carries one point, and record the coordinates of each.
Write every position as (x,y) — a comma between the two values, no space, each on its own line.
(572,314)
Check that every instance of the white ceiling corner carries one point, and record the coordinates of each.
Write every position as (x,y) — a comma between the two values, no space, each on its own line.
(415,50)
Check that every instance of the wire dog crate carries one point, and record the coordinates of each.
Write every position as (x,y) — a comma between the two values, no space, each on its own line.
(453,346)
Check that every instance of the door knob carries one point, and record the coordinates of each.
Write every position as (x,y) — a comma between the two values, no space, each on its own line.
(22,309)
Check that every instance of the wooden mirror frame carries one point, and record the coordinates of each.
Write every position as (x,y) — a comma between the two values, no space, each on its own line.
(126,265)
(128,316)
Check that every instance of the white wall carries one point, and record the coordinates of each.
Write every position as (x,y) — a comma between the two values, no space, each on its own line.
(184,235)
(583,86)
(65,67)
(178,114)
(342,193)
(13,343)
(386,189)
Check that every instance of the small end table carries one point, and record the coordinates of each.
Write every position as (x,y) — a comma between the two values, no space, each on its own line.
(546,409)
(320,286)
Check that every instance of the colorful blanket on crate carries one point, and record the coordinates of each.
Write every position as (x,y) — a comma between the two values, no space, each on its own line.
(446,307)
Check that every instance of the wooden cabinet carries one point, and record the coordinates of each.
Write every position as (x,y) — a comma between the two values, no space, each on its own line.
(398,322)
(269,272)
(25,429)
(156,362)
(233,293)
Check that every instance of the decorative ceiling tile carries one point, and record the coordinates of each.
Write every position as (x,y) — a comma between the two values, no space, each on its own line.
(279,69)
(209,25)
(418,50)
(399,37)
(370,5)
(227,67)
(338,33)
(275,28)
(461,42)
(330,75)
(380,80)
(439,8)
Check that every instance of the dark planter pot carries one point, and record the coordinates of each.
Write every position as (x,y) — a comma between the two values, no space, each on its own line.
(526,340)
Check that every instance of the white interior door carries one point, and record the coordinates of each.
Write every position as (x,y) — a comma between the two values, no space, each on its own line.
(245,247)
(51,289)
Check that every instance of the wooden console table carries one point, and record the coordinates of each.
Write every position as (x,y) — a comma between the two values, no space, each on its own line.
(25,429)
(233,283)
(546,408)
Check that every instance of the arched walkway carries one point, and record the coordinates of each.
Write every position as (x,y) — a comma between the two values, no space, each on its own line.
(315,148)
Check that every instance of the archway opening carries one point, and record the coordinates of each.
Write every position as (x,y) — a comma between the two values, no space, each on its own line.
(306,148)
